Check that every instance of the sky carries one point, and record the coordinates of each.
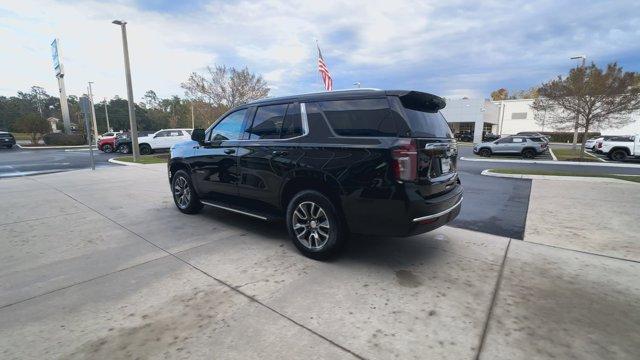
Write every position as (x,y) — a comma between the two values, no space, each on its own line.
(449,48)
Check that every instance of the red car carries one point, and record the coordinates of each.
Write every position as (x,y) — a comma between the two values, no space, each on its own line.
(107,144)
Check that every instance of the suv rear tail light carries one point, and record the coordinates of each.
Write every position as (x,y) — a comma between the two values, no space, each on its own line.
(405,160)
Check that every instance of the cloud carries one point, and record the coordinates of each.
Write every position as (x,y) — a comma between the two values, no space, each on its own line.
(453,48)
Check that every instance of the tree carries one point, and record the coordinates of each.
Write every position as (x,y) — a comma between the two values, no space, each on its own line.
(590,96)
(150,99)
(222,86)
(500,94)
(35,125)
(531,93)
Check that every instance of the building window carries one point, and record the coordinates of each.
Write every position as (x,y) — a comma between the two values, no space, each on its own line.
(519,116)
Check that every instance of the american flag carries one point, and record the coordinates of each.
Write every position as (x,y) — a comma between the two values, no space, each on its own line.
(324,72)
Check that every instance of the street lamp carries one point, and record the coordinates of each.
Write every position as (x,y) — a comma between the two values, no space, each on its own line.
(583,57)
(132,110)
(357,83)
(575,130)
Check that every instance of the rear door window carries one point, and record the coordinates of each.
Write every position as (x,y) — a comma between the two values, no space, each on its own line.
(363,117)
(292,125)
(267,122)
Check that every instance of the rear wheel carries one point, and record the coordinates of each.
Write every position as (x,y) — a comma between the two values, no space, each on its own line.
(618,155)
(145,149)
(528,153)
(107,148)
(314,224)
(184,195)
(485,152)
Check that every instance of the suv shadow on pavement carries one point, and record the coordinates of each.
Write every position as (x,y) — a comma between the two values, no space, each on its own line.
(366,249)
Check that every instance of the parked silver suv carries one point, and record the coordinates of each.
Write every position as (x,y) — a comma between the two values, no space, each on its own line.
(527,146)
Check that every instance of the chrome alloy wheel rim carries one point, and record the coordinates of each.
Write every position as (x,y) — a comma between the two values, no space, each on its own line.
(182,192)
(311,225)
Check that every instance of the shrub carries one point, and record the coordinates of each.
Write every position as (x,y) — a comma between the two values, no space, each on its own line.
(567,137)
(64,139)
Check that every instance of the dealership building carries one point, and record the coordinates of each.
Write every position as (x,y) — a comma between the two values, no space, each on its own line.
(508,117)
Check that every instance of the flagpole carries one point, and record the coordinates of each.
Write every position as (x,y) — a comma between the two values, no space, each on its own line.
(319,75)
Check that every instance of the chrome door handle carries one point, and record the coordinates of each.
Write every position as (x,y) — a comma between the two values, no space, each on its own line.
(229,151)
(279,153)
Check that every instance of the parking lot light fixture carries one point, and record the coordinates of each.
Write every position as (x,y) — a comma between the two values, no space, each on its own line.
(135,150)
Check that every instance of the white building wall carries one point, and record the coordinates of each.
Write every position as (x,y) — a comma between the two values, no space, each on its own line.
(516,116)
(476,111)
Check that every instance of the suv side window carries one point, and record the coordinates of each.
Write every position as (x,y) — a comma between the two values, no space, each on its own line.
(366,117)
(292,125)
(518,140)
(267,122)
(228,128)
(508,140)
(161,134)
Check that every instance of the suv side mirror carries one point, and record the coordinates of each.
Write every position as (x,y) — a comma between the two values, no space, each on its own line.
(198,135)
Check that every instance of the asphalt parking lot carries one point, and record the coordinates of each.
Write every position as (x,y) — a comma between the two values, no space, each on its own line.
(111,269)
(23,162)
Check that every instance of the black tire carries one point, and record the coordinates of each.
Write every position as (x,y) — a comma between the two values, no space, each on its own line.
(327,243)
(107,148)
(484,152)
(9,146)
(145,149)
(618,155)
(528,153)
(124,149)
(184,195)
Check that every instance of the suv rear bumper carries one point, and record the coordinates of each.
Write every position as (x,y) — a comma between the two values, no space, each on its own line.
(415,215)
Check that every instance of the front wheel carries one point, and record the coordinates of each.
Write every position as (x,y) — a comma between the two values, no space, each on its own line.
(184,195)
(315,226)
(485,152)
(107,148)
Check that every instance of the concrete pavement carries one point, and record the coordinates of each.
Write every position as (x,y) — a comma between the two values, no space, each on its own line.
(95,269)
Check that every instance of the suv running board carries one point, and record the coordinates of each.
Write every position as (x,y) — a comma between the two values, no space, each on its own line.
(266,216)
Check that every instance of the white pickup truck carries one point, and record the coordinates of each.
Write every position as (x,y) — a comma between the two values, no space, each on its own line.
(619,148)
(163,140)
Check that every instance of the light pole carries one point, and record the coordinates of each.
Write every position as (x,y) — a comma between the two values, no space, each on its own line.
(132,110)
(577,123)
(357,83)
(106,115)
(93,113)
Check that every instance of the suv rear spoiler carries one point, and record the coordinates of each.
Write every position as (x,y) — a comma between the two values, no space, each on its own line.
(420,101)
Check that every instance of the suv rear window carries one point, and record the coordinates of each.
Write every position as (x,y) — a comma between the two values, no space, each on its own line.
(363,117)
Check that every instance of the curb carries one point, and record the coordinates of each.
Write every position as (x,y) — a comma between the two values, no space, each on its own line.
(125,163)
(551,162)
(553,156)
(53,147)
(488,172)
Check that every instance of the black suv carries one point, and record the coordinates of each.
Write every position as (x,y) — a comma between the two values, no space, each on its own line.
(7,140)
(363,161)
